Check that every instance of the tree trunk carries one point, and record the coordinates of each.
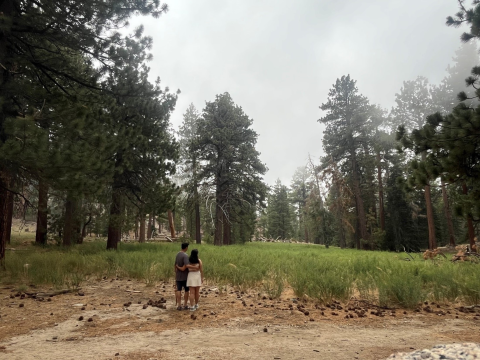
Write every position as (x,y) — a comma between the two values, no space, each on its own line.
(448,214)
(136,229)
(362,219)
(7,9)
(9,216)
(84,228)
(198,234)
(432,240)
(154,229)
(141,237)
(227,233)
(171,224)
(41,234)
(114,222)
(218,225)
(471,230)
(77,224)
(149,227)
(69,225)
(381,207)
(305,229)
(4,221)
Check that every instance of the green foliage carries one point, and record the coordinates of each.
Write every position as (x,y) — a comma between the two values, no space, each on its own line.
(321,274)
(231,167)
(279,213)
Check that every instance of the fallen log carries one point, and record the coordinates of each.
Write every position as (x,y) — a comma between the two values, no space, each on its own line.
(49,294)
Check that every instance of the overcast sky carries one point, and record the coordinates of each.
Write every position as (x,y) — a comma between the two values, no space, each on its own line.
(278,59)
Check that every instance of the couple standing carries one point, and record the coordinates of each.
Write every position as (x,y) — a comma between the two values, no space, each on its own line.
(189,276)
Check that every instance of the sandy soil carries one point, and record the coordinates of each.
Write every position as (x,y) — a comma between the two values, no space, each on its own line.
(229,324)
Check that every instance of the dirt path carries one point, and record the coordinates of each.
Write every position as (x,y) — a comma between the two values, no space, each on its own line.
(230,325)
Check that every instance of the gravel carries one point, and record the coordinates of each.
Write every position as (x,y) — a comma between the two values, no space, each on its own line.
(465,351)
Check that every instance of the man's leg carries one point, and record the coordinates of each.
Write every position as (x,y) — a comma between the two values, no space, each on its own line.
(178,298)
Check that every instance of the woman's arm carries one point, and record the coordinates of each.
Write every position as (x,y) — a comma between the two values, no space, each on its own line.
(193,267)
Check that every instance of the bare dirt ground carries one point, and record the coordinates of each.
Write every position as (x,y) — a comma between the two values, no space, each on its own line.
(99,323)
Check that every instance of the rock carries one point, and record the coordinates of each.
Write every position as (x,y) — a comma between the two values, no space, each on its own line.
(80,318)
(265,330)
(90,319)
(81,293)
(21,305)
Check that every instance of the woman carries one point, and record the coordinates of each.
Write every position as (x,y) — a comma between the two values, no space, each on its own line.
(194,279)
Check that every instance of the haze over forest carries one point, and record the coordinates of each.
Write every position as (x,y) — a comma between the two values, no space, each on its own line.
(366,114)
(278,59)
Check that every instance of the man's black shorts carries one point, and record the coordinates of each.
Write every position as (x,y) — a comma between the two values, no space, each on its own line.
(182,284)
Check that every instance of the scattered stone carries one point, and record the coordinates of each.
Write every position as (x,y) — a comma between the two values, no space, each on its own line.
(80,318)
(90,319)
(265,330)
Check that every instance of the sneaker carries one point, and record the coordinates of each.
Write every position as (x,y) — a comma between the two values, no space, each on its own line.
(186,307)
(196,306)
(193,308)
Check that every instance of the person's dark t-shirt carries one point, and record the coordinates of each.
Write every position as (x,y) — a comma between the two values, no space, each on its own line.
(180,260)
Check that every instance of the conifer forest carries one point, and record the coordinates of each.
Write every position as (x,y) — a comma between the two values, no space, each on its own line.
(88,150)
(239,179)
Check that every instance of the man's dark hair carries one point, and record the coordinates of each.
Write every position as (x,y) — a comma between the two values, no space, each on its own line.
(184,246)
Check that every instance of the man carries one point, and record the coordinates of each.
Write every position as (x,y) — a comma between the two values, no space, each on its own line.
(181,278)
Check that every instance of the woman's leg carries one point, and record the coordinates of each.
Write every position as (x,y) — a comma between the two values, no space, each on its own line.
(197,294)
(192,296)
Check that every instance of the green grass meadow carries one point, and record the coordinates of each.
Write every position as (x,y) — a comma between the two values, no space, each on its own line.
(310,270)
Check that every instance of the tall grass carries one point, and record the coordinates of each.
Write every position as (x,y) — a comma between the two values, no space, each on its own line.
(319,273)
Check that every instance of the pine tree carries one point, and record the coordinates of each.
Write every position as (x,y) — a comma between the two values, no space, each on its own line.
(279,212)
(145,151)
(231,164)
(189,157)
(300,190)
(348,120)
(400,228)
(414,104)
(38,42)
